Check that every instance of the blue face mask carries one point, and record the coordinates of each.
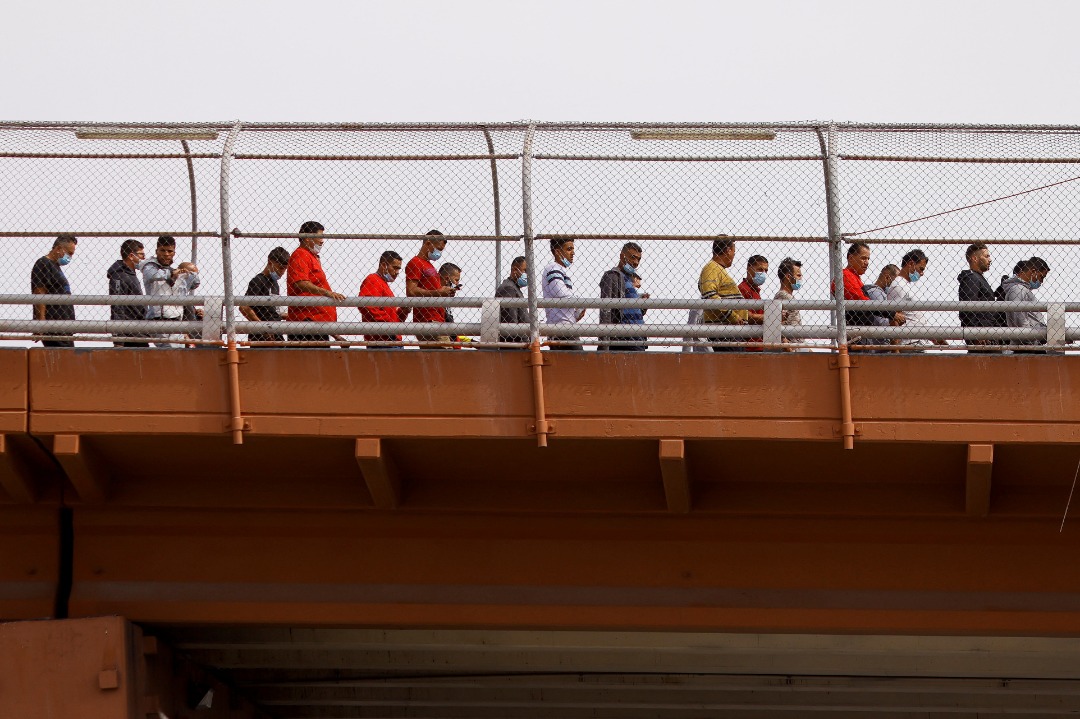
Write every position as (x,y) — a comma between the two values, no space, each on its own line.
(434,255)
(1035,284)
(275,276)
(759,279)
(914,277)
(797,285)
(522,280)
(386,276)
(565,262)
(64,259)
(628,269)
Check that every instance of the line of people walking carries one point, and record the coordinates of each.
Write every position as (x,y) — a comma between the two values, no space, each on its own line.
(133,274)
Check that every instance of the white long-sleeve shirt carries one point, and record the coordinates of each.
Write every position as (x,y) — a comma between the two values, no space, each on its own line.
(558,285)
(901,290)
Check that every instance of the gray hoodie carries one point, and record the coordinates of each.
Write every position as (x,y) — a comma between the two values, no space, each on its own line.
(1017,290)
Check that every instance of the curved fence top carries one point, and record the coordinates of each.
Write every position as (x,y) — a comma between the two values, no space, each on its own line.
(801,191)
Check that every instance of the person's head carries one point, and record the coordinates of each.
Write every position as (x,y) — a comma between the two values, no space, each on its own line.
(913,265)
(389,265)
(277,262)
(518,269)
(450,274)
(63,249)
(978,257)
(630,257)
(858,257)
(887,275)
(166,250)
(790,274)
(723,250)
(433,246)
(1033,271)
(562,249)
(132,253)
(314,242)
(757,270)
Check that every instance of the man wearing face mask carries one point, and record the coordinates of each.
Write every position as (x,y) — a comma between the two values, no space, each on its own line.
(123,279)
(790,276)
(422,280)
(47,278)
(757,270)
(511,287)
(377,284)
(1029,276)
(559,285)
(902,289)
(265,284)
(617,283)
(305,278)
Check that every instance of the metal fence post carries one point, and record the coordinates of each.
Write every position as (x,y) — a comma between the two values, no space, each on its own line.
(489,320)
(1055,325)
(527,226)
(497,205)
(194,203)
(232,356)
(226,233)
(773,323)
(836,241)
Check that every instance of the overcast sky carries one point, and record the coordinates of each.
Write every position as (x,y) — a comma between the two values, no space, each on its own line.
(553,60)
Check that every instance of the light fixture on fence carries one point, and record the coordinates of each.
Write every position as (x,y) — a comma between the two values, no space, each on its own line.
(145,133)
(703,133)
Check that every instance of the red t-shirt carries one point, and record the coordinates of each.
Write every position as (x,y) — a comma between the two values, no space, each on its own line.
(750,292)
(305,266)
(427,278)
(853,286)
(375,286)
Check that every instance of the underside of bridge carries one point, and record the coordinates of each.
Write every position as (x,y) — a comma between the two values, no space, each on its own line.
(389,540)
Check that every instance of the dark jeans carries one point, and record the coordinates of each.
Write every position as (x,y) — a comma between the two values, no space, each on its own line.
(627,347)
(310,338)
(266,338)
(58,343)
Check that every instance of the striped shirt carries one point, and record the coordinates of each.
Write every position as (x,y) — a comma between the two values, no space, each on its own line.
(557,285)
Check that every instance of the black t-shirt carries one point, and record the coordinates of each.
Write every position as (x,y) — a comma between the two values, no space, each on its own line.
(48,274)
(262,285)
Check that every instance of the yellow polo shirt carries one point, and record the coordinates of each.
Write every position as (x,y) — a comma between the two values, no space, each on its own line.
(715,283)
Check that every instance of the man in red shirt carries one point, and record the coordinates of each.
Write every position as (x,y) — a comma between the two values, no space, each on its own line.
(858,259)
(377,284)
(422,280)
(757,270)
(305,278)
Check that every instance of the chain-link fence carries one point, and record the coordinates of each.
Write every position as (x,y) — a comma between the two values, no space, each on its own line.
(693,237)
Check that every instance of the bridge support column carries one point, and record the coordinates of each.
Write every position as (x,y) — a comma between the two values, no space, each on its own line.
(980,466)
(103,668)
(676,478)
(380,473)
(16,477)
(87,473)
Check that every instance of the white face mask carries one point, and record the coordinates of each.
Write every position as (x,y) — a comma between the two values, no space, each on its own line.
(316,248)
